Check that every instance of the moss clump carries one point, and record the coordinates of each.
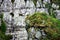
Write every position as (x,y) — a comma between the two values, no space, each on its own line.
(50,25)
(38,20)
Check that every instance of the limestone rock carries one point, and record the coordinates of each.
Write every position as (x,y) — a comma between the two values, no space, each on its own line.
(38,34)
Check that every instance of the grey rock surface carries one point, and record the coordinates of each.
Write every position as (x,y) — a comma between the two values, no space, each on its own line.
(20,9)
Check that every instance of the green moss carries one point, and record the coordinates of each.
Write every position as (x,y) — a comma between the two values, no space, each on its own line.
(37,19)
(47,23)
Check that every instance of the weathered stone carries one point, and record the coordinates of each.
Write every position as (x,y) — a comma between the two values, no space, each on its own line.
(6,5)
(22,34)
(19,7)
(38,34)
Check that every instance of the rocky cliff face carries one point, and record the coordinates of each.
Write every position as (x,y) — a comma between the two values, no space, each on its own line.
(15,14)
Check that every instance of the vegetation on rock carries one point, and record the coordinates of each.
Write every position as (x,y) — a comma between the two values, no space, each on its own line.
(3,30)
(50,25)
(3,25)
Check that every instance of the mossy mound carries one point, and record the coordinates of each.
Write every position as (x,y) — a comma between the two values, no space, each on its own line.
(50,25)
